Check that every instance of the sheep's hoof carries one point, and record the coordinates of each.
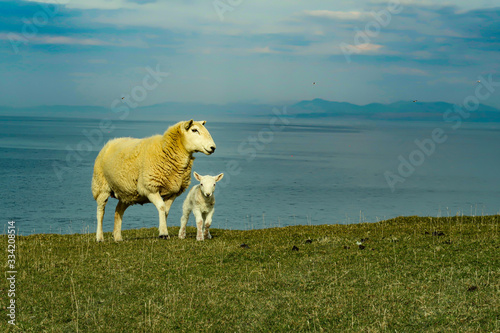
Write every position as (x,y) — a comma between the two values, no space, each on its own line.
(164,236)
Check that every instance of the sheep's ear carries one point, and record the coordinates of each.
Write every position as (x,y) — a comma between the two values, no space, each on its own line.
(203,122)
(197,176)
(188,124)
(219,177)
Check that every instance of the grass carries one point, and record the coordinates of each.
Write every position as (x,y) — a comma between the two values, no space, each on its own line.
(414,274)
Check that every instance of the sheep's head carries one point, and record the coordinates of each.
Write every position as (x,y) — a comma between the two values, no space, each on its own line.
(196,137)
(207,183)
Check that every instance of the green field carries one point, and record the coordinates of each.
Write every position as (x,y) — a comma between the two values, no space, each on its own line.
(410,274)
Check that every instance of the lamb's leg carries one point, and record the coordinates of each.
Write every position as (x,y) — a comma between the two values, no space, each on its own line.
(156,199)
(208,222)
(117,230)
(184,220)
(101,200)
(199,224)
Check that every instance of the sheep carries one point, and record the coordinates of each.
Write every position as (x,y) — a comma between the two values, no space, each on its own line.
(155,169)
(200,200)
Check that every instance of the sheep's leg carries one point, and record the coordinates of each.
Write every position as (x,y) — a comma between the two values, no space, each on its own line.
(117,230)
(208,222)
(168,203)
(184,221)
(102,199)
(199,224)
(156,199)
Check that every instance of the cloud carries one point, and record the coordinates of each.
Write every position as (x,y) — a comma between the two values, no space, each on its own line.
(331,49)
(451,80)
(338,15)
(266,49)
(90,4)
(55,40)
(367,47)
(267,38)
(63,40)
(70,40)
(405,71)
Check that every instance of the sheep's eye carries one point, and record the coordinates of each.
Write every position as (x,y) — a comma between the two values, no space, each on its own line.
(194,130)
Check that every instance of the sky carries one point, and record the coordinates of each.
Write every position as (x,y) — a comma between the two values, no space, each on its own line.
(91,52)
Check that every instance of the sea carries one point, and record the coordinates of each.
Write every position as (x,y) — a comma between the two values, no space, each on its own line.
(277,172)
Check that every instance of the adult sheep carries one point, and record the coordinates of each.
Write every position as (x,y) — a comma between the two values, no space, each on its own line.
(155,169)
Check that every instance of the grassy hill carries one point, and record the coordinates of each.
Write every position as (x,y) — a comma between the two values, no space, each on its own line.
(409,274)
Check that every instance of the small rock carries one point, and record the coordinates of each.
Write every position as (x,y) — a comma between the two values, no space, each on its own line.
(294,248)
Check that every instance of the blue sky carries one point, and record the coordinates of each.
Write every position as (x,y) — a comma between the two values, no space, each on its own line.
(91,52)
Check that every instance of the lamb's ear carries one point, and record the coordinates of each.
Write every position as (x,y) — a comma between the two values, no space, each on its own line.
(219,177)
(203,122)
(188,124)
(197,176)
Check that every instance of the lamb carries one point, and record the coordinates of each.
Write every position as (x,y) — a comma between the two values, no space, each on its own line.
(155,169)
(200,200)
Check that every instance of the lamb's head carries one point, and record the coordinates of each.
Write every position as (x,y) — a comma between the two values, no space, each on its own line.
(207,183)
(196,137)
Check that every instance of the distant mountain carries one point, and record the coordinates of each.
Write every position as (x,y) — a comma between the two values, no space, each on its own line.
(313,109)
(402,110)
(321,106)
